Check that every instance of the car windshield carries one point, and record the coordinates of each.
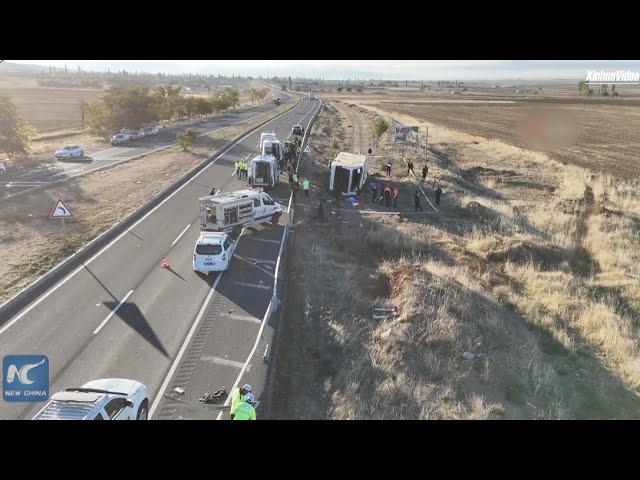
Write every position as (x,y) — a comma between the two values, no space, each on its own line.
(209,249)
(70,147)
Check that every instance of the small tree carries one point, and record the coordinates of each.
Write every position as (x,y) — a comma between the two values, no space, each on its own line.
(186,138)
(378,128)
(15,133)
(339,89)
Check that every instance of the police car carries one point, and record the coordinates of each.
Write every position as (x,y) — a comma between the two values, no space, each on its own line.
(213,252)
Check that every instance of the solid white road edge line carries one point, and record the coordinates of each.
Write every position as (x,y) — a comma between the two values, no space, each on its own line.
(180,236)
(75,272)
(112,313)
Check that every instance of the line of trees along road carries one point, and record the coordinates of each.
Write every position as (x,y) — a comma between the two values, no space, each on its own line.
(128,107)
(132,107)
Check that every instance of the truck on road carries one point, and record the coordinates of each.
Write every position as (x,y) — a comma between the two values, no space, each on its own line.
(231,211)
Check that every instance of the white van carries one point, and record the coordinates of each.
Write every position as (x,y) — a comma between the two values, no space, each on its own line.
(231,210)
(213,252)
(264,171)
(266,136)
(272,147)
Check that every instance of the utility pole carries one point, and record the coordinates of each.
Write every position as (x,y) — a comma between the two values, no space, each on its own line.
(426,142)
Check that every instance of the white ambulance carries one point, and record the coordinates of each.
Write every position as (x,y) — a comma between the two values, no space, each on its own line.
(228,212)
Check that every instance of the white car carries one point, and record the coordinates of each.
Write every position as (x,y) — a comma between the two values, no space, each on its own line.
(213,252)
(150,131)
(119,139)
(69,151)
(104,399)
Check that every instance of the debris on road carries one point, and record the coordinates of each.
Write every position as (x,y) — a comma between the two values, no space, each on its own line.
(216,398)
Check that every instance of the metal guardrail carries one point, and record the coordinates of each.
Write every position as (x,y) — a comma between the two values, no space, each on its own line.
(274,302)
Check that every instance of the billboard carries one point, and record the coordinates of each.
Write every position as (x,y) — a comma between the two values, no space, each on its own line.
(405,129)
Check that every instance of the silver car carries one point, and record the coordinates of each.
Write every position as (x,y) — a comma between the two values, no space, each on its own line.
(119,139)
(135,134)
(150,131)
(69,151)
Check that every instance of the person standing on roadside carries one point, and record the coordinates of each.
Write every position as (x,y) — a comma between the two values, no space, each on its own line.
(416,201)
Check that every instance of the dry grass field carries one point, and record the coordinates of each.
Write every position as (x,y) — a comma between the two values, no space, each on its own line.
(608,128)
(56,110)
(50,109)
(519,299)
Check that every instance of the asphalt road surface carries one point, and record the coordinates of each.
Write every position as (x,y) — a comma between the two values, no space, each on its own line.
(59,169)
(121,315)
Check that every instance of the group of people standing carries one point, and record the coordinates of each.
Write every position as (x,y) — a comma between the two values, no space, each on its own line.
(242,169)
(388,194)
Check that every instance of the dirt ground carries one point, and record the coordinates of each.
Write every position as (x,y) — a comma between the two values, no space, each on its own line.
(608,129)
(518,299)
(50,109)
(98,200)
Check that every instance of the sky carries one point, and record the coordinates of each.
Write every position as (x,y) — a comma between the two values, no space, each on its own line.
(361,69)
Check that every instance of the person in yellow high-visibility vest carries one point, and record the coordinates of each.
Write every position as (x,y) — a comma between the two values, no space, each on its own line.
(238,395)
(245,410)
(305,186)
(245,169)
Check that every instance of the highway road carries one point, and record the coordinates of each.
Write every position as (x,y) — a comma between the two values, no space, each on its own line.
(58,170)
(121,315)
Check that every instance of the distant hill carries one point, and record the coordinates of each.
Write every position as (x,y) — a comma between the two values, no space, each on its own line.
(20,68)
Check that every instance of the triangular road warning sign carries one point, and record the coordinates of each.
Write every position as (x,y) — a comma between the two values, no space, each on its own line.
(60,210)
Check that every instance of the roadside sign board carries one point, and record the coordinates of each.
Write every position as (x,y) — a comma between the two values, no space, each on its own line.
(60,210)
(405,129)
